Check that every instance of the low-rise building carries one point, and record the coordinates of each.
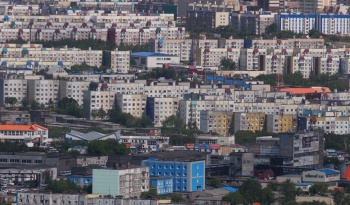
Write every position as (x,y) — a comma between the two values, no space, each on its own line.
(129,182)
(150,60)
(328,176)
(24,133)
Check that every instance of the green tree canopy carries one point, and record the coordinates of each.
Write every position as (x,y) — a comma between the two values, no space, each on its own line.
(214,182)
(288,191)
(107,147)
(250,190)
(69,106)
(235,199)
(318,188)
(11,101)
(227,64)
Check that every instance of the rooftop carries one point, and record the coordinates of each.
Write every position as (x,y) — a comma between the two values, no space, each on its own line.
(148,54)
(328,171)
(33,127)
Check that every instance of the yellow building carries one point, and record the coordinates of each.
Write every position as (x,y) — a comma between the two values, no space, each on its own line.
(280,123)
(253,121)
(215,121)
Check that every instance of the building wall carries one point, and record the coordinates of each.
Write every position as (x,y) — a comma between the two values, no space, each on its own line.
(106,182)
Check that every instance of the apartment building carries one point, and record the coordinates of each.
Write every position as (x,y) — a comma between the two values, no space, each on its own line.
(13,87)
(129,182)
(307,150)
(280,123)
(144,143)
(127,86)
(215,121)
(254,23)
(345,66)
(94,100)
(249,58)
(167,89)
(248,121)
(298,23)
(333,23)
(73,89)
(89,76)
(303,64)
(327,65)
(120,61)
(189,109)
(159,109)
(272,64)
(212,57)
(134,104)
(45,92)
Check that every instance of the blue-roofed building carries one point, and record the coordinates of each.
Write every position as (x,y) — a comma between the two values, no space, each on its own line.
(186,176)
(328,176)
(150,60)
(163,185)
(305,186)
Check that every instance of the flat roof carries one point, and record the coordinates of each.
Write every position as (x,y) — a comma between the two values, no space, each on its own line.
(148,54)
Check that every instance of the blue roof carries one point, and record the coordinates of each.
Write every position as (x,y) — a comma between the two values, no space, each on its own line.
(303,184)
(147,54)
(231,189)
(328,171)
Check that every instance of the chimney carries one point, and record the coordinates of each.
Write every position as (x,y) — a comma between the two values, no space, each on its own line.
(127,165)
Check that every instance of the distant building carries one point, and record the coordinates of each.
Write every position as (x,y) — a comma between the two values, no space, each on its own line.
(129,182)
(150,60)
(241,164)
(328,176)
(163,185)
(186,176)
(24,133)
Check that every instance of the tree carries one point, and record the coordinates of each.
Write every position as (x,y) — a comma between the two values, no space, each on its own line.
(34,105)
(250,189)
(235,199)
(272,28)
(244,137)
(62,187)
(173,122)
(69,106)
(175,198)
(101,113)
(267,197)
(11,101)
(318,188)
(314,33)
(338,198)
(151,194)
(25,104)
(108,147)
(214,182)
(273,186)
(227,64)
(288,191)
(94,113)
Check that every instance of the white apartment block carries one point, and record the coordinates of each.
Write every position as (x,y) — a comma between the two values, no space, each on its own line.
(333,23)
(249,58)
(189,110)
(298,23)
(91,77)
(221,19)
(13,87)
(212,57)
(178,47)
(302,64)
(134,104)
(167,89)
(272,64)
(43,91)
(327,65)
(73,89)
(159,109)
(287,43)
(127,87)
(120,61)
(94,100)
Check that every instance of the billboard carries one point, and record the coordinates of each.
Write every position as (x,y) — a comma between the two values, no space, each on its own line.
(308,142)
(214,146)
(225,150)
(189,146)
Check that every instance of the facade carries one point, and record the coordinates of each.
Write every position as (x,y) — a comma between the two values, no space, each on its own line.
(215,121)
(298,23)
(307,150)
(241,164)
(119,60)
(81,180)
(186,176)
(280,123)
(328,176)
(248,121)
(73,89)
(16,88)
(159,109)
(24,133)
(164,185)
(215,139)
(129,182)
(149,60)
(134,104)
(95,100)
(45,92)
(144,143)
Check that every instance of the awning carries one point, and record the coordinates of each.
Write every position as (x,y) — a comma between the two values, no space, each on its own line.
(60,63)
(3,63)
(4,50)
(29,63)
(36,63)
(6,18)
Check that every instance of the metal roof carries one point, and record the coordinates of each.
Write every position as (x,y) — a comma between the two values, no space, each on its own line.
(328,171)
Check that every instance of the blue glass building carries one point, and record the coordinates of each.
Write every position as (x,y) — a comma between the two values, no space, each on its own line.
(186,176)
(164,185)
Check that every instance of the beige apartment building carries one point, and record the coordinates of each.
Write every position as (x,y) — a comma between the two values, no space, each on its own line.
(134,104)
(95,100)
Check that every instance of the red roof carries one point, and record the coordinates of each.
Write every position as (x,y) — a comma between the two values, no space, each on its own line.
(57,31)
(179,29)
(207,50)
(33,127)
(123,30)
(93,30)
(74,29)
(284,50)
(170,22)
(329,59)
(114,24)
(304,90)
(274,57)
(141,30)
(31,23)
(48,24)
(279,41)
(229,50)
(306,50)
(329,50)
(66,24)
(132,24)
(20,30)
(30,8)
(84,25)
(148,23)
(301,58)
(256,50)
(38,30)
(10,7)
